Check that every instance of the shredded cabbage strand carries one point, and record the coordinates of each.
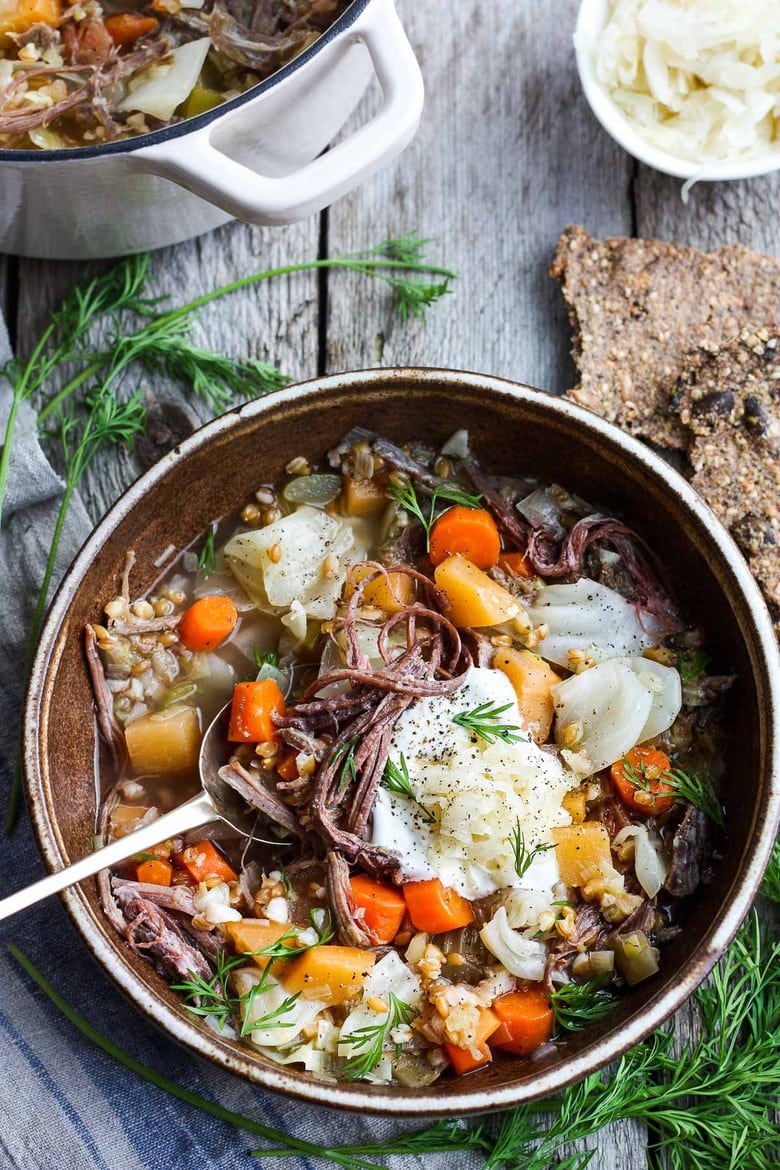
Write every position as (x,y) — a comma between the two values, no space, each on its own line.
(699,79)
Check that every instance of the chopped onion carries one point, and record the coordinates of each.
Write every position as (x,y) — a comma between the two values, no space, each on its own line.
(650,862)
(457,445)
(521,956)
(698,78)
(541,511)
(161,89)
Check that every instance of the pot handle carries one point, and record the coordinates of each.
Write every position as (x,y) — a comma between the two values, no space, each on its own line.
(194,162)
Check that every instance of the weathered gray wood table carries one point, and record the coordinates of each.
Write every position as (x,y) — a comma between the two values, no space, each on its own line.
(507,155)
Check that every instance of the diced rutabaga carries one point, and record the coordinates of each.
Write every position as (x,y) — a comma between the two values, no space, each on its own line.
(161,89)
(608,709)
(592,619)
(699,78)
(311,551)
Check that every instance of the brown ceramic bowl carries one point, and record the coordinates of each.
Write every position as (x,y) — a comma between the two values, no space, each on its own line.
(512,428)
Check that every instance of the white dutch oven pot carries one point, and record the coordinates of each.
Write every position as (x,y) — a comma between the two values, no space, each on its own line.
(258,157)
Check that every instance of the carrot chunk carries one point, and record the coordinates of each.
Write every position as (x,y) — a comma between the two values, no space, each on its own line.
(126,27)
(654,794)
(251,716)
(203,861)
(465,532)
(515,562)
(466,1060)
(207,623)
(383,906)
(436,908)
(156,871)
(526,1019)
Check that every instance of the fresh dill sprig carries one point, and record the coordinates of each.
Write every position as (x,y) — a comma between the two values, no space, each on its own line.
(207,557)
(524,857)
(272,1018)
(406,495)
(698,790)
(395,778)
(371,1038)
(291,1146)
(415,296)
(289,946)
(484,721)
(695,787)
(408,248)
(678,1093)
(107,422)
(213,997)
(64,340)
(345,754)
(577,1005)
(164,343)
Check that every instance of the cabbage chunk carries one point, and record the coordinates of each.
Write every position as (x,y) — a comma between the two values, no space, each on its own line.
(590,619)
(607,710)
(300,558)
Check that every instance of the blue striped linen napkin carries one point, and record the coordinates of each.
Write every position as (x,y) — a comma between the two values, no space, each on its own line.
(65,1105)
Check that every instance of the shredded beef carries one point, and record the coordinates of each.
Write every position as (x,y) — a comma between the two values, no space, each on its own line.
(155,934)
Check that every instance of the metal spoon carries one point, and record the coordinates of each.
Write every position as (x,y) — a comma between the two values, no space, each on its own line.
(215,802)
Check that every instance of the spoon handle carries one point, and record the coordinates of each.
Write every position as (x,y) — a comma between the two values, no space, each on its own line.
(192,815)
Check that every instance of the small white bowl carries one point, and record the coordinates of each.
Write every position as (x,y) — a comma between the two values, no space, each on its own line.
(591,20)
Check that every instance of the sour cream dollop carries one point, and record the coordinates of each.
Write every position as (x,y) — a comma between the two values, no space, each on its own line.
(472,795)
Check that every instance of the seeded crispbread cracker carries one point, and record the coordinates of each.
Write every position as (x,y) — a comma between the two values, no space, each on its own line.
(728,400)
(637,307)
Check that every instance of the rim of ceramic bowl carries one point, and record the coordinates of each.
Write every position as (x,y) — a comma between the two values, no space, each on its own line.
(590,21)
(190,125)
(354,1096)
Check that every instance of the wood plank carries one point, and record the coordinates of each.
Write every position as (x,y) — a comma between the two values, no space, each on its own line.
(715,214)
(507,155)
(274,321)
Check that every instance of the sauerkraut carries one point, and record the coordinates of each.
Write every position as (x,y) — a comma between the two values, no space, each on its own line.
(700,79)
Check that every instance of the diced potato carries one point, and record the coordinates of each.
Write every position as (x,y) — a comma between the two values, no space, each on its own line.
(474,598)
(363,497)
(334,975)
(532,679)
(391,593)
(251,934)
(168,741)
(583,853)
(17,16)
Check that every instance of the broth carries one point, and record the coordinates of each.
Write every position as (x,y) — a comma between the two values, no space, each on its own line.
(485,727)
